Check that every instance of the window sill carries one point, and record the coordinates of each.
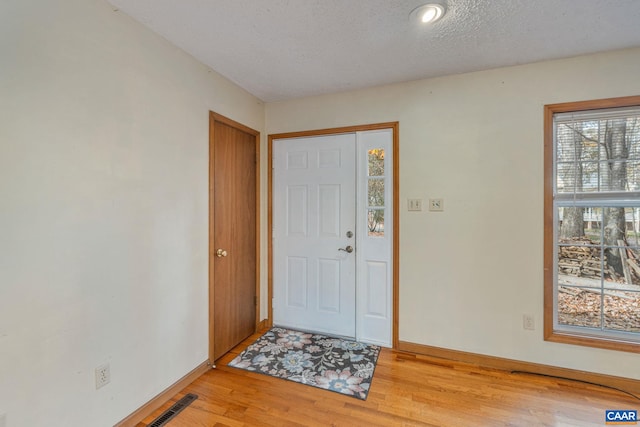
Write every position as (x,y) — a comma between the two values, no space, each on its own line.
(592,341)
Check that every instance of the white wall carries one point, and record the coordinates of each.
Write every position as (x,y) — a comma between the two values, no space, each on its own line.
(103,210)
(468,274)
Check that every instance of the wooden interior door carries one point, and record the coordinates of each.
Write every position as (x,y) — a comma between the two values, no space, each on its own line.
(233,245)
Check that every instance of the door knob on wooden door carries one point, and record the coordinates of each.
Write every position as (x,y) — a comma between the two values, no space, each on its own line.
(348,249)
(221,253)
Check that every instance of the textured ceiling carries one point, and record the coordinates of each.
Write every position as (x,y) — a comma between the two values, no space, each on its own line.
(282,49)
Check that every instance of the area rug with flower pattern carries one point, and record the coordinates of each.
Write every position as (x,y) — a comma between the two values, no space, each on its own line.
(318,360)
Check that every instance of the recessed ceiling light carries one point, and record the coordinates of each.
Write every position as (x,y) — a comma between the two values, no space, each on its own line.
(427,13)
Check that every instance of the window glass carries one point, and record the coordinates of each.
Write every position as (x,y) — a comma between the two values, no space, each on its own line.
(376,162)
(375,192)
(375,222)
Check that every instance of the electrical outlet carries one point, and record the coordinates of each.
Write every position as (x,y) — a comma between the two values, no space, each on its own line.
(528,322)
(103,376)
(436,205)
(414,204)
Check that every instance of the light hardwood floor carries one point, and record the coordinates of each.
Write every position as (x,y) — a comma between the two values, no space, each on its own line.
(407,390)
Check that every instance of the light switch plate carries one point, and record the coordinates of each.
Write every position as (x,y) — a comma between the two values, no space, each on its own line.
(414,204)
(436,205)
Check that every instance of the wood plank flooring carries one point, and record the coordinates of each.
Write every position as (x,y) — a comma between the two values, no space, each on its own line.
(407,390)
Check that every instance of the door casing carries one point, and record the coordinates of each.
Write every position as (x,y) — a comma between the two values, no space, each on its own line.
(394,126)
(214,117)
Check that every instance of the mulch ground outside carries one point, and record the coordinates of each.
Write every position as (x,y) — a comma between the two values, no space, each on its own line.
(578,307)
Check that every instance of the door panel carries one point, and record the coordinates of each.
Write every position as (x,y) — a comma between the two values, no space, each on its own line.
(297,210)
(329,210)
(297,283)
(234,232)
(376,290)
(314,208)
(329,285)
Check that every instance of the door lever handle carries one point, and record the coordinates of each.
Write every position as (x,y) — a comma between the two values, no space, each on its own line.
(348,249)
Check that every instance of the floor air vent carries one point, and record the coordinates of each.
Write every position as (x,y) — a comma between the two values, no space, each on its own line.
(174,410)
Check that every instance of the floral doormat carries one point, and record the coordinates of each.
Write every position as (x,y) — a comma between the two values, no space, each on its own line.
(318,360)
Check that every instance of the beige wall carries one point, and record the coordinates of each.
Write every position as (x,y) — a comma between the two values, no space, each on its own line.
(103,205)
(468,274)
(103,210)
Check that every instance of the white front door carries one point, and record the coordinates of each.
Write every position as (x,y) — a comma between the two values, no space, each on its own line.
(314,219)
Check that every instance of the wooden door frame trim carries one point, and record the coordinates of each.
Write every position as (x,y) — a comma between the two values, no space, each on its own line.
(215,117)
(395,127)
